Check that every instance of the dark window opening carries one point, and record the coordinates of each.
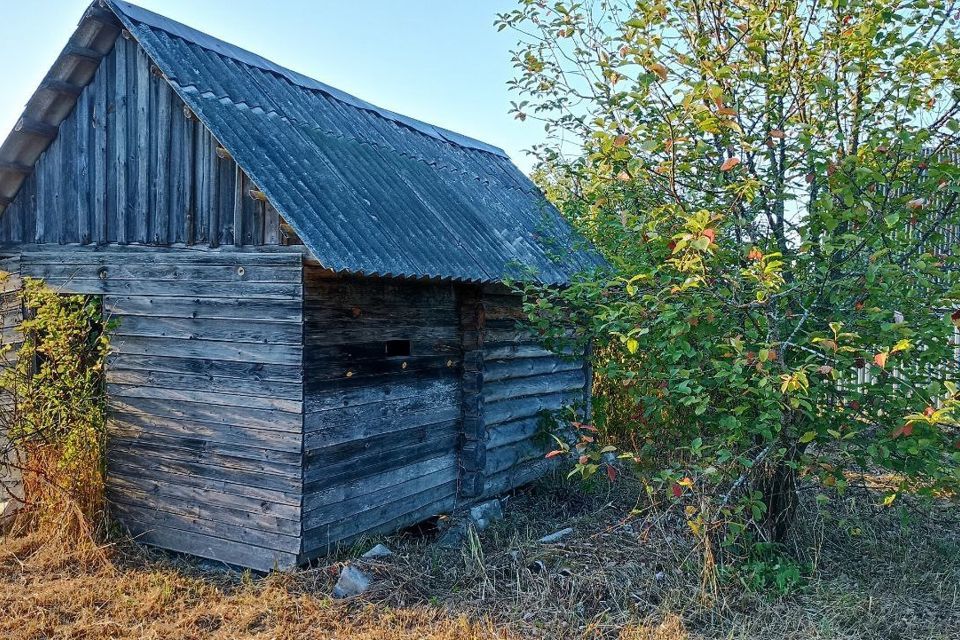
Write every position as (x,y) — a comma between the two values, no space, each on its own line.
(397,348)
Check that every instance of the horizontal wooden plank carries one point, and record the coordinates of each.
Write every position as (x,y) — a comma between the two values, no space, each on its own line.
(321,370)
(515,351)
(511,455)
(121,480)
(131,254)
(353,509)
(241,455)
(319,477)
(268,420)
(327,395)
(518,476)
(380,482)
(403,436)
(199,475)
(197,507)
(533,386)
(200,289)
(384,519)
(255,473)
(506,433)
(528,407)
(247,386)
(343,431)
(147,517)
(161,471)
(442,338)
(248,331)
(497,370)
(202,395)
(208,349)
(262,440)
(204,308)
(210,547)
(167,363)
(215,274)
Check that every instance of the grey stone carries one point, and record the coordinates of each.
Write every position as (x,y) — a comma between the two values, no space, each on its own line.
(557,536)
(485,513)
(352,582)
(379,551)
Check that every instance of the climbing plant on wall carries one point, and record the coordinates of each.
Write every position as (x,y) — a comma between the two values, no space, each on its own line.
(55,420)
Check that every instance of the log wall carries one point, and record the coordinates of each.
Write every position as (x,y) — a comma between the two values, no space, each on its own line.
(204,383)
(381,432)
(522,382)
(131,165)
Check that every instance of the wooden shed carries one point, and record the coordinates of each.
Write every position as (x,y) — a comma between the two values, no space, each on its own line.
(314,342)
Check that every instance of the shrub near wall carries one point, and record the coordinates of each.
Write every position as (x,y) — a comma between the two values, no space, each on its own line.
(56,422)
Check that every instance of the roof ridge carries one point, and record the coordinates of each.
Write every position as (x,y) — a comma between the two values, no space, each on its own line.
(131,13)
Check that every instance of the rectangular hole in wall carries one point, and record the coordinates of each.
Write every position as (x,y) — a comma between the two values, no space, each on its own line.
(397,348)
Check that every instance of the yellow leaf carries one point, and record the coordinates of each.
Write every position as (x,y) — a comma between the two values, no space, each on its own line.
(632,345)
(660,70)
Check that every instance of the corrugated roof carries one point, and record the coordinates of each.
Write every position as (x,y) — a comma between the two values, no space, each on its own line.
(368,191)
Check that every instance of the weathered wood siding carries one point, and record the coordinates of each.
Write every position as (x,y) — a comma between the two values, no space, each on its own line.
(131,165)
(205,394)
(521,382)
(381,433)
(11,315)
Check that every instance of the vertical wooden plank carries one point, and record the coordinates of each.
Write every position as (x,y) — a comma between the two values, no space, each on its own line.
(142,204)
(238,206)
(213,202)
(201,190)
(271,224)
(100,212)
(161,185)
(120,140)
(176,163)
(40,230)
(82,206)
(189,163)
(65,171)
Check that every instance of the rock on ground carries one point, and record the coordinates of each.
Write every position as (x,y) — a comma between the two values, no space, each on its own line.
(379,551)
(352,583)
(556,536)
(485,513)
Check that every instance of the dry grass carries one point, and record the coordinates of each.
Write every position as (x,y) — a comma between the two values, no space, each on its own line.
(876,576)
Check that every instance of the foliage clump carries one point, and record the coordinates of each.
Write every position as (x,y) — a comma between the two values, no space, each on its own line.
(55,419)
(775,186)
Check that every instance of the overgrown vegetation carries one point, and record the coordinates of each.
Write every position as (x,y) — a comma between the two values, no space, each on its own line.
(55,421)
(776,189)
(618,577)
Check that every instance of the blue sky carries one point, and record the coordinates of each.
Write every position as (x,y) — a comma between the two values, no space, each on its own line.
(441,61)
